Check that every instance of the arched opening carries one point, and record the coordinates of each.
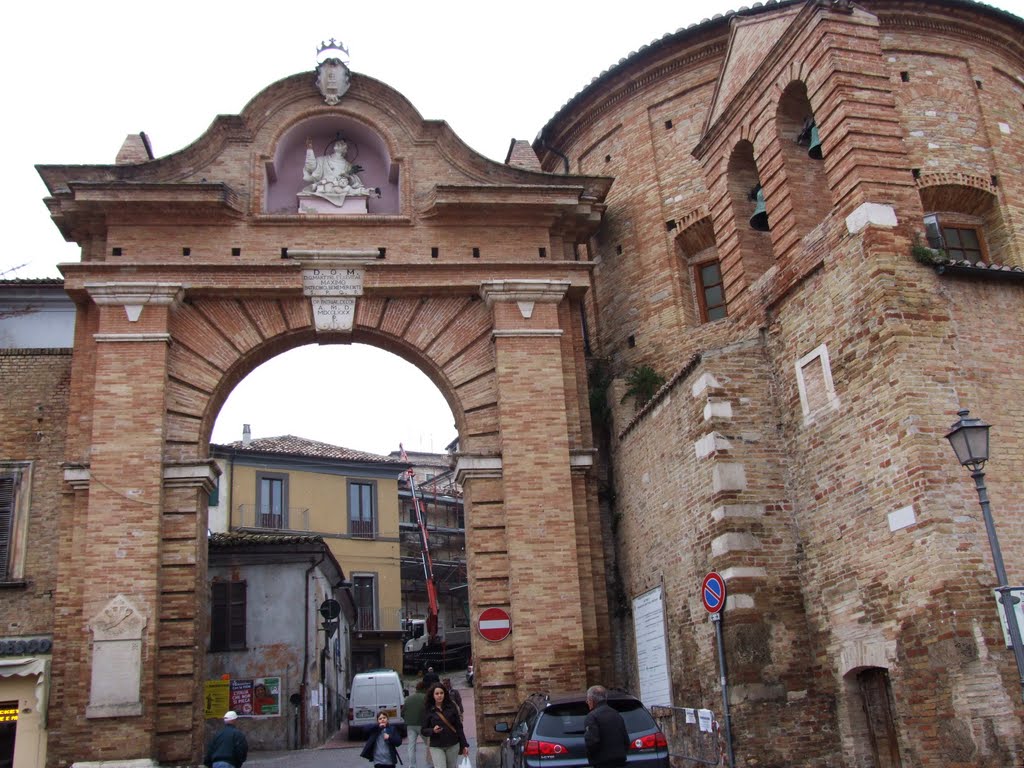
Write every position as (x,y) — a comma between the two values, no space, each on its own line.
(964,221)
(311,546)
(745,183)
(800,140)
(365,150)
(702,273)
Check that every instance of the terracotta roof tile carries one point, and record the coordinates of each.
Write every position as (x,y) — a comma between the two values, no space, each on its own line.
(240,539)
(300,446)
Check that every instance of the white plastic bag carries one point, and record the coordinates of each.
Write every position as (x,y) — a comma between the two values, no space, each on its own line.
(464,762)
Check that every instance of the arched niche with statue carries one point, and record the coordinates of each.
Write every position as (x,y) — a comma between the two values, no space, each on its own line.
(331,165)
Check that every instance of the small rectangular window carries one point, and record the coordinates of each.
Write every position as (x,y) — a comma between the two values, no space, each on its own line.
(962,244)
(710,291)
(227,616)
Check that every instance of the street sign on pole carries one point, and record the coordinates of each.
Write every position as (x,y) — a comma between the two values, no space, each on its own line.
(712,592)
(494,625)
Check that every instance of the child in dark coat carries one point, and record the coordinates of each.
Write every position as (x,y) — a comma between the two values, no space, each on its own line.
(381,747)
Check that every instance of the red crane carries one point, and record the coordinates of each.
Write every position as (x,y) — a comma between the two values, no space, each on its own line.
(428,565)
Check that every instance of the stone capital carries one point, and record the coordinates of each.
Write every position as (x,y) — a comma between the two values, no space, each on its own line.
(134,296)
(469,467)
(525,290)
(192,474)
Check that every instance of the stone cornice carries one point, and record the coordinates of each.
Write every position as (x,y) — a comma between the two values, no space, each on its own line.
(983,34)
(603,107)
(135,294)
(192,474)
(523,290)
(131,337)
(470,467)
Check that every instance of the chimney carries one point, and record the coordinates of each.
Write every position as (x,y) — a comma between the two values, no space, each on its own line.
(246,435)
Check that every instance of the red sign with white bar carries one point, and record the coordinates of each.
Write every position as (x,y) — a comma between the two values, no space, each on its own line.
(494,625)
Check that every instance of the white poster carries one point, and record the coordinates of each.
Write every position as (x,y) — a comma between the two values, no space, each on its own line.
(706,719)
(1017,597)
(652,648)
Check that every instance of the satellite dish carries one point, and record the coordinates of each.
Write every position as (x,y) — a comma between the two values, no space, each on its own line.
(330,609)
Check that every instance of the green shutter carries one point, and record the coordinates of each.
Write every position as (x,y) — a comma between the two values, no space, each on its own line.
(6,524)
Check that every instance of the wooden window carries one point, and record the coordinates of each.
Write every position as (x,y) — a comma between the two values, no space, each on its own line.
(962,241)
(227,616)
(963,244)
(710,291)
(361,508)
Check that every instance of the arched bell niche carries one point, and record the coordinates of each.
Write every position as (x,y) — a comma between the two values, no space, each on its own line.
(284,174)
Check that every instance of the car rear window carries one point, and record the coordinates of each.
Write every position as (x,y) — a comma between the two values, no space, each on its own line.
(559,720)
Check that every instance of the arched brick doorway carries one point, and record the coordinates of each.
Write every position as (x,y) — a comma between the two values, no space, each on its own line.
(194,272)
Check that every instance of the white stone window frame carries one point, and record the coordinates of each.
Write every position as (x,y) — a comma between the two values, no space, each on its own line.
(820,353)
(21,474)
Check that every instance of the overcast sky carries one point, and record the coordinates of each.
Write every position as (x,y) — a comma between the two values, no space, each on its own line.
(81,76)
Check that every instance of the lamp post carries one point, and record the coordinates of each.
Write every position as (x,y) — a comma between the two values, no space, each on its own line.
(969,438)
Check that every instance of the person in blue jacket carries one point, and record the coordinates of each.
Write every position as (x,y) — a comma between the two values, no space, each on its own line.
(381,747)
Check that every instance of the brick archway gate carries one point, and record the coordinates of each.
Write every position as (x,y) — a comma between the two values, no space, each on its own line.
(192,275)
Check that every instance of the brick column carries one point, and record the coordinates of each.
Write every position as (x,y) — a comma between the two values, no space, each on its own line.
(104,717)
(540,521)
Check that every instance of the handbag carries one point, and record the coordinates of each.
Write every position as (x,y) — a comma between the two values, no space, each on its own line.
(464,762)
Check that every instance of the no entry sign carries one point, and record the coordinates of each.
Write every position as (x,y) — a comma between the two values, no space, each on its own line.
(712,592)
(494,625)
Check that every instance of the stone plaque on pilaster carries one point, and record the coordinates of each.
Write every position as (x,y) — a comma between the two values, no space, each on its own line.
(116,660)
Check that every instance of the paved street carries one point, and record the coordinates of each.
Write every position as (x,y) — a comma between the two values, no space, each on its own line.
(339,752)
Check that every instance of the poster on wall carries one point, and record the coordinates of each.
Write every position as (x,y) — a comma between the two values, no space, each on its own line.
(258,697)
(216,698)
(652,648)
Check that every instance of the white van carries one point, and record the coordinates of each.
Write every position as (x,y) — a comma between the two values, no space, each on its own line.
(373,692)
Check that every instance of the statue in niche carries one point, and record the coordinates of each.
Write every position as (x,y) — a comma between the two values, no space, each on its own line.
(332,177)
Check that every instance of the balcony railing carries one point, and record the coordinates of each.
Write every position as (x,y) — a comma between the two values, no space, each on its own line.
(390,620)
(361,529)
(250,516)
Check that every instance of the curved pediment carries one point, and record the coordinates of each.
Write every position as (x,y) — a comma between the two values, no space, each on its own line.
(265,160)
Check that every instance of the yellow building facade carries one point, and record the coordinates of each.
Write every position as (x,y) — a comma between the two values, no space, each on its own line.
(350,498)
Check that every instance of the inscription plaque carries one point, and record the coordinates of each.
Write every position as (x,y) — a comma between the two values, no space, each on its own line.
(116,660)
(333,281)
(331,314)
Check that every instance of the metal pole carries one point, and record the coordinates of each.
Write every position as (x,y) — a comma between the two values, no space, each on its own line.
(726,717)
(1004,591)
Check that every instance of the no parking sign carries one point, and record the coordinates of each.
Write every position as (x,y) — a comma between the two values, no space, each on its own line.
(712,592)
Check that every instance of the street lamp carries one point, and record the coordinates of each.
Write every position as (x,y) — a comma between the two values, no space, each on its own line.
(969,438)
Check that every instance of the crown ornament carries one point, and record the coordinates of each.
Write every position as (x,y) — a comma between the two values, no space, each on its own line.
(332,49)
(332,73)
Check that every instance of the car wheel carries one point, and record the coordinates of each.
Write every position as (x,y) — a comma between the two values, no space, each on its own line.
(354,734)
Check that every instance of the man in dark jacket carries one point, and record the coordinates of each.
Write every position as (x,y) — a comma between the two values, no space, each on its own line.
(228,749)
(604,731)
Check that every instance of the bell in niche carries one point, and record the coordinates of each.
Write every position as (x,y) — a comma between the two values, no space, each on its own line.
(814,151)
(809,137)
(759,220)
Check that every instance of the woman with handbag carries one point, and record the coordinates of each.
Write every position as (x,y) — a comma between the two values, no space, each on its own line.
(443,726)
